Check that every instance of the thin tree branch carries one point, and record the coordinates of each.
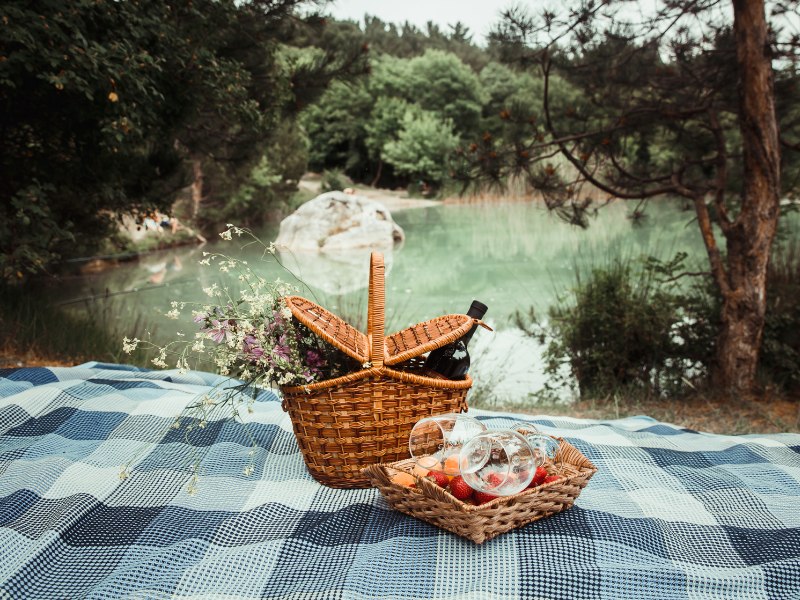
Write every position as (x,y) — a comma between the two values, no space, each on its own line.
(577,164)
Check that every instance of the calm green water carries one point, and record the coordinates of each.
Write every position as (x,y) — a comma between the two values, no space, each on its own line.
(511,256)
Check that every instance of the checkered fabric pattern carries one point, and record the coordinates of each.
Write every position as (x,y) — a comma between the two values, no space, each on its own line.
(671,513)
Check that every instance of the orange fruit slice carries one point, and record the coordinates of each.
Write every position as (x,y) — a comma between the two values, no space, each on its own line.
(425,465)
(403,478)
(451,465)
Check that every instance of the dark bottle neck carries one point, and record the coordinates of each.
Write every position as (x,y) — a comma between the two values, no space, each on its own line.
(476,311)
(468,336)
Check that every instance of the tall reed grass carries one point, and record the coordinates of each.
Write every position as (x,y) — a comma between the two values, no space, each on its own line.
(34,327)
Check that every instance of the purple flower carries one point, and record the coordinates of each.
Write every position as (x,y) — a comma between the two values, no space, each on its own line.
(282,350)
(252,348)
(314,359)
(219,332)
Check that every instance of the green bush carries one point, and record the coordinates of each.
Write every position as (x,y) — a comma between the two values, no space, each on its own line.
(619,329)
(334,180)
(780,350)
(624,328)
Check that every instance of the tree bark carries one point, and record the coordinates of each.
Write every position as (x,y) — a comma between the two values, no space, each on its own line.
(197,186)
(749,237)
(378,173)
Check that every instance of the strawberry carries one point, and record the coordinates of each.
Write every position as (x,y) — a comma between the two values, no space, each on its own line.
(539,477)
(483,497)
(439,478)
(494,479)
(460,488)
(551,478)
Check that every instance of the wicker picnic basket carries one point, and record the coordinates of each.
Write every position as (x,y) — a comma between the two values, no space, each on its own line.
(435,505)
(365,417)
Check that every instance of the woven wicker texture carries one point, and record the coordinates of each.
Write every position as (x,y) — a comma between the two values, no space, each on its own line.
(433,504)
(399,347)
(346,423)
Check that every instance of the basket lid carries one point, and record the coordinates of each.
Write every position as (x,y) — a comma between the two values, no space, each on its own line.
(330,328)
(403,345)
(396,348)
(421,338)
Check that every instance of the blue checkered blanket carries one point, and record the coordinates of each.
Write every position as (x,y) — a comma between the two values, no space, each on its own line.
(671,513)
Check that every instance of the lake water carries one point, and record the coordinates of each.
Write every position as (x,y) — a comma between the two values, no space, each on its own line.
(511,256)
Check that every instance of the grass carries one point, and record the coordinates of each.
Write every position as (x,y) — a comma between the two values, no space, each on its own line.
(36,332)
(767,414)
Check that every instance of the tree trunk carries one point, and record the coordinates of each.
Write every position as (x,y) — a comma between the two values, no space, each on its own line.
(197,186)
(378,173)
(750,236)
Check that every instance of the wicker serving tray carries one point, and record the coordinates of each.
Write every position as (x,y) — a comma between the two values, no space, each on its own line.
(435,505)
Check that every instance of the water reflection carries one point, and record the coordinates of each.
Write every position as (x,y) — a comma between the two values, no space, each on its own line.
(335,273)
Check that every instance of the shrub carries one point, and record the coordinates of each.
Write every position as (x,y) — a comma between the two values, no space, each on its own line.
(780,350)
(623,328)
(334,180)
(620,328)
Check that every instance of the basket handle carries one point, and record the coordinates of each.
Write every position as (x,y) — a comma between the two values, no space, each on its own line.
(375,309)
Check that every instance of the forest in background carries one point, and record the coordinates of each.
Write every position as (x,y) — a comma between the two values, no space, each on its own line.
(214,110)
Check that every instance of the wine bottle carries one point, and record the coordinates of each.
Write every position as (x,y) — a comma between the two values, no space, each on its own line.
(452,361)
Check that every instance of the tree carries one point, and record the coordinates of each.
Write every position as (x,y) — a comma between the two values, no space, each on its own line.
(423,146)
(112,107)
(688,77)
(438,81)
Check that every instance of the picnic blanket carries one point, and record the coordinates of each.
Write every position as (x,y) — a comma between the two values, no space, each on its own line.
(671,513)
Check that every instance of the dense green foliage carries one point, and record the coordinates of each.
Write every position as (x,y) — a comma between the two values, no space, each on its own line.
(113,107)
(617,331)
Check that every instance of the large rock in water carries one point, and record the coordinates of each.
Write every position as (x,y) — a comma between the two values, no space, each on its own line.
(339,221)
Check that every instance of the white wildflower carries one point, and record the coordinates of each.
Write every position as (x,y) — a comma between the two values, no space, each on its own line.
(129,346)
(248,470)
(286,312)
(124,473)
(161,359)
(173,314)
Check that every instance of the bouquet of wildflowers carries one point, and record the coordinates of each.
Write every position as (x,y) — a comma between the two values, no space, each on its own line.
(250,336)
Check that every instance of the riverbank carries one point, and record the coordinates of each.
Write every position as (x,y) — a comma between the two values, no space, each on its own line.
(766,414)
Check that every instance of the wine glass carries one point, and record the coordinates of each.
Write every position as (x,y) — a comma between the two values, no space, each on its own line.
(498,462)
(435,442)
(544,446)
